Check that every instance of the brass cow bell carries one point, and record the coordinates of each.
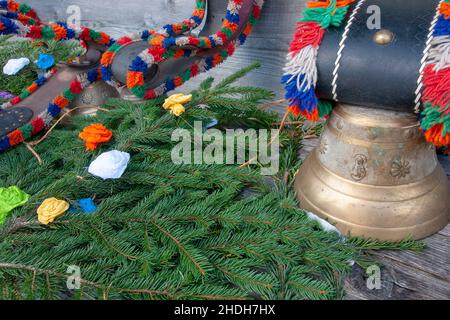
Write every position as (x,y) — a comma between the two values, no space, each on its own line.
(374,175)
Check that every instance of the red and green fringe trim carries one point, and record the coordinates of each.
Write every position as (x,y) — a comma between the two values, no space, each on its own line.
(435,116)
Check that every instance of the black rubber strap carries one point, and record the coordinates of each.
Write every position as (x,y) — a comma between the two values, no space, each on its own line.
(375,75)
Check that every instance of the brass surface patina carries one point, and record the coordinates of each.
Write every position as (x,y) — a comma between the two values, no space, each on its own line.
(373,175)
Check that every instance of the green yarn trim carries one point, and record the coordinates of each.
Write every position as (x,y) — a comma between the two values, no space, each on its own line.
(69,95)
(48,33)
(200,5)
(431,116)
(115,47)
(228,32)
(169,54)
(24,9)
(138,91)
(325,107)
(94,35)
(324,16)
(26,131)
(186,75)
(25,94)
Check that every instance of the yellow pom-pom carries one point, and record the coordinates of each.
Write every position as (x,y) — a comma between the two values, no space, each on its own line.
(177,110)
(51,209)
(175,99)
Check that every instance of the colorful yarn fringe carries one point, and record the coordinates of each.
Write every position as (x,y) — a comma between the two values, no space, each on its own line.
(435,116)
(20,12)
(170,48)
(53,110)
(300,76)
(54,31)
(170,30)
(30,90)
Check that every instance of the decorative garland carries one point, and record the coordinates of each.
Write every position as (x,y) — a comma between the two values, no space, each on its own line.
(160,51)
(435,117)
(168,30)
(53,110)
(30,90)
(60,31)
(25,14)
(300,76)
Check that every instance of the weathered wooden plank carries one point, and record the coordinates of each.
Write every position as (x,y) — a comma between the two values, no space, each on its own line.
(445,231)
(435,259)
(398,282)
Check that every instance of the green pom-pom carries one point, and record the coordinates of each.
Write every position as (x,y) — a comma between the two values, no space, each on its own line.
(138,91)
(24,95)
(115,47)
(69,95)
(26,131)
(24,9)
(200,5)
(48,33)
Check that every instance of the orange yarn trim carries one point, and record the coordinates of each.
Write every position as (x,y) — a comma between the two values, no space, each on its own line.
(107,58)
(434,135)
(325,4)
(61,102)
(445,9)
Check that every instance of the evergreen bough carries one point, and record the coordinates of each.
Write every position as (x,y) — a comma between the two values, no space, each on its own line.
(166,231)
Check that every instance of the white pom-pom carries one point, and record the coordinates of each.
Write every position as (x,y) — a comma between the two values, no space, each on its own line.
(110,165)
(13,66)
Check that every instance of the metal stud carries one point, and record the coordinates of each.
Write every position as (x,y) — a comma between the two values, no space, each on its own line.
(383,37)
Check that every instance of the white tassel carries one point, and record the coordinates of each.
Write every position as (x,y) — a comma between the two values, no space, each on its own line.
(304,62)
(439,53)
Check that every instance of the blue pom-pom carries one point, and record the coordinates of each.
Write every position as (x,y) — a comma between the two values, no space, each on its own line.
(40,81)
(169,42)
(53,109)
(232,17)
(45,61)
(169,29)
(145,35)
(106,73)
(196,19)
(86,205)
(92,75)
(213,42)
(170,85)
(138,65)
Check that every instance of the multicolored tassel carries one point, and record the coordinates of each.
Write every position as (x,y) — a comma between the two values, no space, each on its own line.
(300,78)
(435,116)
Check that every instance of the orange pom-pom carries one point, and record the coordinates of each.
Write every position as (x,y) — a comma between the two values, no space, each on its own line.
(95,134)
(135,78)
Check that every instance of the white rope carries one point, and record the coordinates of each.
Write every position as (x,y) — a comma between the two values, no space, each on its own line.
(337,63)
(423,62)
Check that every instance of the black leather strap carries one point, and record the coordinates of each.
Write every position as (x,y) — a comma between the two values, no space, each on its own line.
(14,118)
(374,75)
